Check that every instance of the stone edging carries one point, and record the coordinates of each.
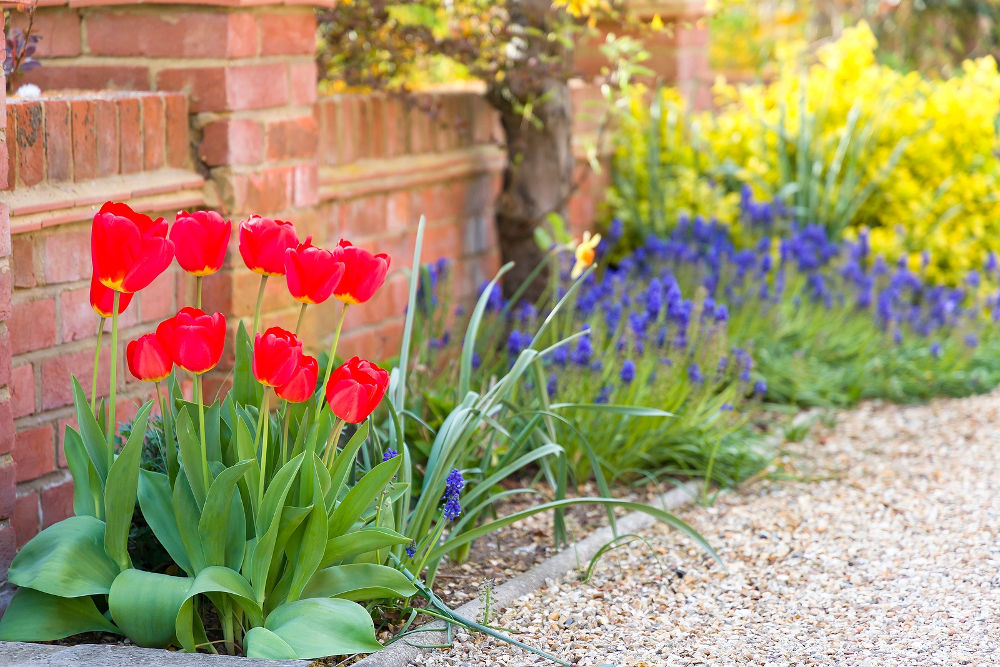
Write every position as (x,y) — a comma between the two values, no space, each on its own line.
(401,654)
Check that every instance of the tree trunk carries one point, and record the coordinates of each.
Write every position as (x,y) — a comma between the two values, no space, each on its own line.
(536,182)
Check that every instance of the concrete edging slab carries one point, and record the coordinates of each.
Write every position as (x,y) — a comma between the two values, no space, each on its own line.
(114,655)
(402,654)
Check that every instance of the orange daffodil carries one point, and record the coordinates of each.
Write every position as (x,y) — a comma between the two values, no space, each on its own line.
(585,253)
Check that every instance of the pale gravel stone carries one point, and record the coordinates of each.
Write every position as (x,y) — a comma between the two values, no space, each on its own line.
(887,553)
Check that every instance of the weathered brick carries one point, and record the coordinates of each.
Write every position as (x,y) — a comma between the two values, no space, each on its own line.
(29,142)
(6,427)
(9,152)
(58,141)
(22,390)
(25,519)
(292,138)
(8,486)
(106,129)
(234,141)
(57,374)
(152,132)
(32,325)
(157,300)
(59,29)
(205,86)
(78,318)
(57,503)
(5,364)
(176,116)
(178,34)
(130,134)
(54,76)
(34,452)
(264,190)
(302,82)
(66,255)
(84,114)
(306,185)
(6,288)
(8,548)
(288,32)
(256,86)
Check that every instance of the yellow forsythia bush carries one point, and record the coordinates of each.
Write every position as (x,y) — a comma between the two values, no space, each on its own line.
(845,141)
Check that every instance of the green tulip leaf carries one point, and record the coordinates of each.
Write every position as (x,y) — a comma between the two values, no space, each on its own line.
(157,510)
(85,494)
(361,496)
(246,389)
(274,500)
(67,559)
(342,462)
(342,547)
(217,513)
(214,580)
(311,547)
(145,605)
(186,514)
(360,581)
(190,445)
(319,627)
(93,436)
(120,494)
(260,642)
(34,616)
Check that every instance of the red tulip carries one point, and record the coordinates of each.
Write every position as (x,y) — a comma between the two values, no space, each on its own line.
(312,273)
(276,355)
(364,275)
(148,359)
(303,383)
(200,241)
(128,249)
(193,339)
(355,389)
(102,299)
(263,243)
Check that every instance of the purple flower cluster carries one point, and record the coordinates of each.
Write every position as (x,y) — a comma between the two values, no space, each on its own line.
(452,494)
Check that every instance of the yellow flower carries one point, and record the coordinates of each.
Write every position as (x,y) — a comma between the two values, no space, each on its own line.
(585,253)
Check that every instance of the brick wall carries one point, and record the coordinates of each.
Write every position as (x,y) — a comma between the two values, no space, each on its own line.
(211,104)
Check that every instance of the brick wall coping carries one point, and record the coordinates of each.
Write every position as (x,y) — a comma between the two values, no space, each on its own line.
(369,177)
(201,3)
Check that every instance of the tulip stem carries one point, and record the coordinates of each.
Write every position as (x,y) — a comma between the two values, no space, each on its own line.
(284,436)
(260,300)
(201,427)
(114,378)
(264,409)
(97,360)
(302,314)
(331,446)
(329,362)
(197,282)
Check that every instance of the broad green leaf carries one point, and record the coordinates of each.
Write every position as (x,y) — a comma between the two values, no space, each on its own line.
(190,446)
(318,627)
(246,390)
(357,542)
(276,492)
(361,496)
(120,493)
(157,509)
(93,436)
(311,547)
(213,438)
(145,605)
(342,462)
(246,452)
(186,514)
(214,580)
(263,550)
(33,616)
(260,642)
(82,470)
(217,511)
(359,581)
(66,559)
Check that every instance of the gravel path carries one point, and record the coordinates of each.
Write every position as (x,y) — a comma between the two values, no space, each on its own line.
(888,555)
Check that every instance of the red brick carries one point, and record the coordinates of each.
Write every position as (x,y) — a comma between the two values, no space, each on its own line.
(178,34)
(59,30)
(84,113)
(176,115)
(10,157)
(6,286)
(265,190)
(5,364)
(152,132)
(89,77)
(302,82)
(347,131)
(233,141)
(22,390)
(6,427)
(29,142)
(306,186)
(206,86)
(130,134)
(58,141)
(8,548)
(157,300)
(57,503)
(34,453)
(25,518)
(57,374)
(5,245)
(8,486)
(398,214)
(288,32)
(327,111)
(66,256)
(32,325)
(292,138)
(256,86)
(395,127)
(80,321)
(106,128)
(364,217)
(61,435)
